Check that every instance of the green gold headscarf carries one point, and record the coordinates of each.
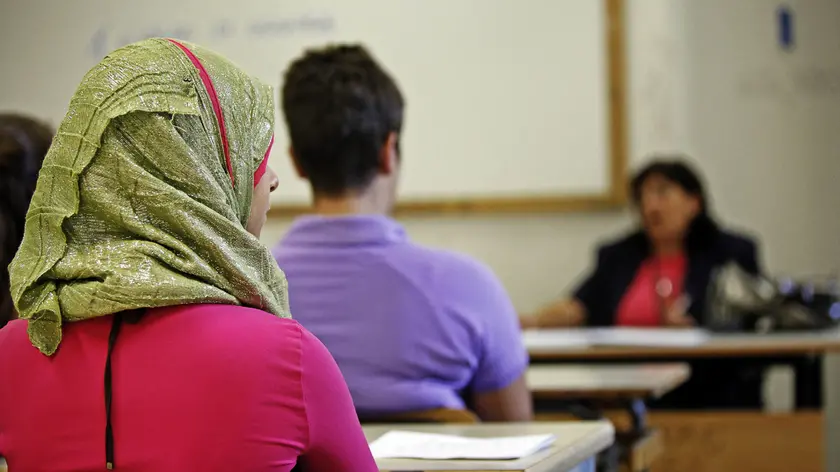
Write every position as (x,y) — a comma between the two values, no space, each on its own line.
(143,197)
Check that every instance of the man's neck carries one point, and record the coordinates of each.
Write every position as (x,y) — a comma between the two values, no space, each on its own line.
(345,206)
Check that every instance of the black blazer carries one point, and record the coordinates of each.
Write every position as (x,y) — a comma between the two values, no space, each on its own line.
(618,262)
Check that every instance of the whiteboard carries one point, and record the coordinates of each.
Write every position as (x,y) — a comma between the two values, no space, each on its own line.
(507,101)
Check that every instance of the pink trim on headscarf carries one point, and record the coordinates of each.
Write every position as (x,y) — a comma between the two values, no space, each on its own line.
(258,174)
(214,100)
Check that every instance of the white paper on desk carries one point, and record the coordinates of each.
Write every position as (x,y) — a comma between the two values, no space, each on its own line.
(647,337)
(413,445)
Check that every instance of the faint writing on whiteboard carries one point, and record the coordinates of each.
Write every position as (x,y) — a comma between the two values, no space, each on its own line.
(657,90)
(106,38)
(786,86)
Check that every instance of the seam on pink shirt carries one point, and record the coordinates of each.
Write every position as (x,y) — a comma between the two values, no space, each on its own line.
(299,332)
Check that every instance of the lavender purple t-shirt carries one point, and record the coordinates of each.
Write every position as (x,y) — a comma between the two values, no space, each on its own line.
(411,328)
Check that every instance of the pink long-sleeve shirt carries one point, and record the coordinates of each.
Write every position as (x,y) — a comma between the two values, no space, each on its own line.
(195,388)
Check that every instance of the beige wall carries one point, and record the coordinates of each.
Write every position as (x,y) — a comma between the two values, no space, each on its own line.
(766,124)
(706,78)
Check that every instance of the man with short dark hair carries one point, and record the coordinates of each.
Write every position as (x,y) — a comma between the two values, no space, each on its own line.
(412,328)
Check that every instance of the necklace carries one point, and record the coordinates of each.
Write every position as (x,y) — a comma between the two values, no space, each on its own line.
(664,287)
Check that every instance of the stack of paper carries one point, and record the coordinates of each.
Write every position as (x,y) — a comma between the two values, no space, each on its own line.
(413,445)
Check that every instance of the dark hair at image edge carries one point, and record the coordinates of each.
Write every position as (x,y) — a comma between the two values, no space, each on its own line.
(23,144)
(703,229)
(340,106)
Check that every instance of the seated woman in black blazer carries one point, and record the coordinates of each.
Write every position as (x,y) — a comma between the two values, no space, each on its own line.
(659,275)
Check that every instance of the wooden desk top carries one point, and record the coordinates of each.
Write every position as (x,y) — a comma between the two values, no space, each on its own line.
(718,345)
(605,381)
(576,441)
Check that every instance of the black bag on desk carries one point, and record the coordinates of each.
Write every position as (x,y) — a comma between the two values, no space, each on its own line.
(739,301)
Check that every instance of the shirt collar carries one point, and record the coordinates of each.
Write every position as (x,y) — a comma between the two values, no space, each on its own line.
(316,230)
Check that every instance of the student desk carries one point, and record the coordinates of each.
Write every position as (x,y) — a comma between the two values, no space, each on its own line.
(718,345)
(626,386)
(601,381)
(576,442)
(822,343)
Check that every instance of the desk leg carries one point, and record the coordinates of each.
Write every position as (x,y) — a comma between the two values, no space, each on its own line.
(607,460)
(638,413)
(586,466)
(831,411)
(636,408)
(610,459)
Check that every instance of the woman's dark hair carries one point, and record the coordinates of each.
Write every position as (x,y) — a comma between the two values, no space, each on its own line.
(23,144)
(703,228)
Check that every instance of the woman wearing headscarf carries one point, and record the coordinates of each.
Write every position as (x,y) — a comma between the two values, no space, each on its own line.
(140,266)
(23,144)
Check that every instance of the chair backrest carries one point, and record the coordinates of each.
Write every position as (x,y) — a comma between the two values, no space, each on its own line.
(437,415)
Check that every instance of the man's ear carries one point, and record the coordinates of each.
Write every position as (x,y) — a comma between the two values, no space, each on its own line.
(389,155)
(298,170)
